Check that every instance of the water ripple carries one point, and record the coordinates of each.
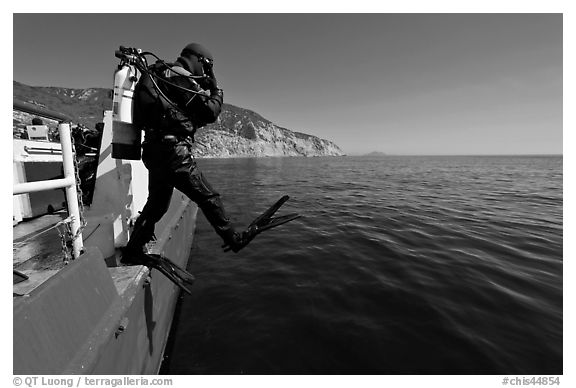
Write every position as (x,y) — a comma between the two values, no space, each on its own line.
(400,265)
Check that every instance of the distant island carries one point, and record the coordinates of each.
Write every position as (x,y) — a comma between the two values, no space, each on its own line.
(375,153)
(238,132)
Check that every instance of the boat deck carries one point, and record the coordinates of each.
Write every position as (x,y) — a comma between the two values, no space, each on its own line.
(90,316)
(37,253)
(37,250)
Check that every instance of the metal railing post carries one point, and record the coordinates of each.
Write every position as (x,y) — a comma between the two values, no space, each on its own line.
(71,193)
(32,187)
(69,180)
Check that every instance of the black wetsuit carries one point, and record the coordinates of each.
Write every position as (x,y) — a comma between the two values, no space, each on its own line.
(167,151)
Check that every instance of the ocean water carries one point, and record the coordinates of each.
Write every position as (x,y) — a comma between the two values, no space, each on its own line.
(400,265)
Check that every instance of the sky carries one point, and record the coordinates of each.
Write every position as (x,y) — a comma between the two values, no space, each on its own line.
(395,83)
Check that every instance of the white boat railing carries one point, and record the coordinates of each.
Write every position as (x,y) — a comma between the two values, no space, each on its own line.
(68,182)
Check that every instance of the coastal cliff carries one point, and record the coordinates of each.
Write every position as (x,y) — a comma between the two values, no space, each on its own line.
(238,132)
(242,133)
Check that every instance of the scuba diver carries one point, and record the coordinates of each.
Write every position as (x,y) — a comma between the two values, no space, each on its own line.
(171,101)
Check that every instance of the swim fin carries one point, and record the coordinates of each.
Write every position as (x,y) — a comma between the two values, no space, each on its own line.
(186,276)
(171,270)
(262,223)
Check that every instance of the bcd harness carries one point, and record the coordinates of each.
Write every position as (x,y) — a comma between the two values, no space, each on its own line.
(154,111)
(171,111)
(176,71)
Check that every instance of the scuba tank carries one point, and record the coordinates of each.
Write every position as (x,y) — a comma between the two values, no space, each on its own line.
(135,91)
(126,137)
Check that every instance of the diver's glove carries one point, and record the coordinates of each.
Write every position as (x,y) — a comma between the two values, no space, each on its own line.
(217,94)
(210,83)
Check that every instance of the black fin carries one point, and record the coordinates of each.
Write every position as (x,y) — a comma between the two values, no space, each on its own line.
(277,221)
(186,276)
(173,277)
(172,271)
(264,222)
(270,211)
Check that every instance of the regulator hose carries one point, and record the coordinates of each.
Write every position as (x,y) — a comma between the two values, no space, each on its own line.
(137,58)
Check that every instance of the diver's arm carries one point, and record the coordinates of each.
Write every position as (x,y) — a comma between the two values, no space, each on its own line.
(212,106)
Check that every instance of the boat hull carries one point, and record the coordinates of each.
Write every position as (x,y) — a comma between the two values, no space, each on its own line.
(90,318)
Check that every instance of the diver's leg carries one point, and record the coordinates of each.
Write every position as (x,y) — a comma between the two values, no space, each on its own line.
(189,180)
(195,186)
(159,195)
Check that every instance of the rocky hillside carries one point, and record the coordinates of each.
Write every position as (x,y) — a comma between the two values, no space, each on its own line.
(85,105)
(238,131)
(241,132)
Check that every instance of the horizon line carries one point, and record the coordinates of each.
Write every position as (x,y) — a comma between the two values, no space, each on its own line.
(473,154)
